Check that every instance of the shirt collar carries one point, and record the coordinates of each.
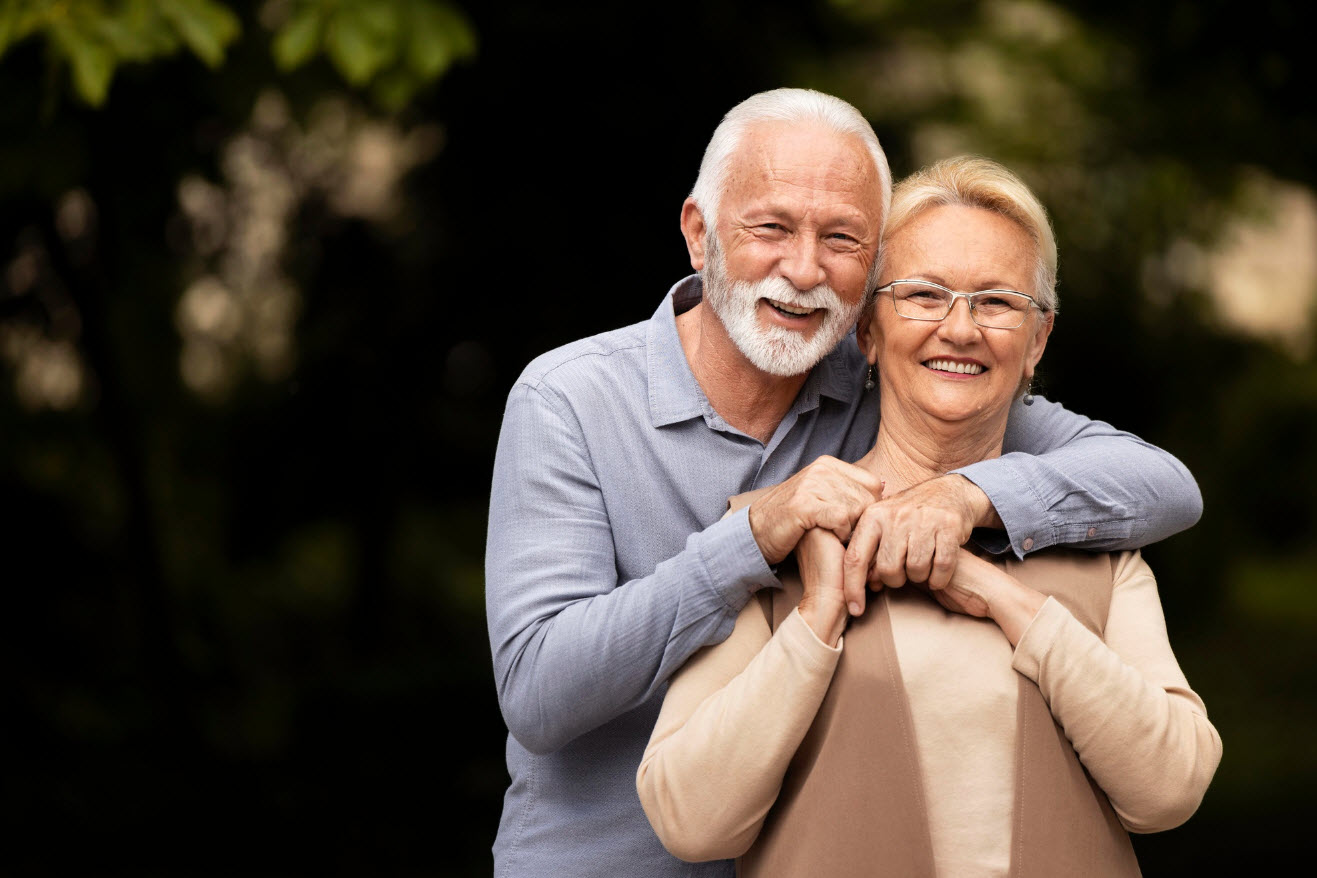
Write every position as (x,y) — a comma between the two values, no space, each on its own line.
(675,395)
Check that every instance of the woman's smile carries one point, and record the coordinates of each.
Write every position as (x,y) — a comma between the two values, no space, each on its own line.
(955,366)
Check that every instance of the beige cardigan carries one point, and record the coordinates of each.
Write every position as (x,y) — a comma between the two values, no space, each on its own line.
(735,717)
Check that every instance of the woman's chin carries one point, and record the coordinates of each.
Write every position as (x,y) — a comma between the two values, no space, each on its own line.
(958,407)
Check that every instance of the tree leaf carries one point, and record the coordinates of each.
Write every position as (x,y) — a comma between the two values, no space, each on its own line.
(357,44)
(17,23)
(299,38)
(438,36)
(461,35)
(379,17)
(8,23)
(394,89)
(91,62)
(138,31)
(206,27)
(428,52)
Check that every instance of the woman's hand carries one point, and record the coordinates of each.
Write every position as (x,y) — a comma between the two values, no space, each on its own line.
(916,535)
(979,588)
(819,556)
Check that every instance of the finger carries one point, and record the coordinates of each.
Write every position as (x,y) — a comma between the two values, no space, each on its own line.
(835,507)
(919,556)
(854,592)
(859,554)
(890,560)
(944,560)
(871,483)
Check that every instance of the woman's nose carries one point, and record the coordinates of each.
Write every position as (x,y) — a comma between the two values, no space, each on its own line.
(959,325)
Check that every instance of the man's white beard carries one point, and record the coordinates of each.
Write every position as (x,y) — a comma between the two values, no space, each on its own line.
(774,349)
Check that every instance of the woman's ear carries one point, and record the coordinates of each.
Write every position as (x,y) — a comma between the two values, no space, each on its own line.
(693,230)
(1038,343)
(866,331)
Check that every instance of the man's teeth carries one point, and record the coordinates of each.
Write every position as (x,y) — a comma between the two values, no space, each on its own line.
(952,366)
(790,309)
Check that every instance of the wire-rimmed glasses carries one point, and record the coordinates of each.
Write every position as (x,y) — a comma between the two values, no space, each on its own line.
(925,300)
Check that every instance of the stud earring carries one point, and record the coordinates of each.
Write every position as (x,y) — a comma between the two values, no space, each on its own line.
(868,378)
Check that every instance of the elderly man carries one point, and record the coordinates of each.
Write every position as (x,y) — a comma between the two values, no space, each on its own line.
(609,558)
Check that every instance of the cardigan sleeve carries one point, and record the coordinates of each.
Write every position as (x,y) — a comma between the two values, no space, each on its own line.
(731,721)
(1124,703)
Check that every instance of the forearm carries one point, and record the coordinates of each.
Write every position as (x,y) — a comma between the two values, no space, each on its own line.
(573,649)
(573,645)
(1074,481)
(731,723)
(1138,728)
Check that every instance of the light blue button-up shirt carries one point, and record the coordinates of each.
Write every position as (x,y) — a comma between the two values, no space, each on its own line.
(608,560)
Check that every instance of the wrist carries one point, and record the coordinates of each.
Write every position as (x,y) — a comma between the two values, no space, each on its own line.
(982,512)
(1013,609)
(827,619)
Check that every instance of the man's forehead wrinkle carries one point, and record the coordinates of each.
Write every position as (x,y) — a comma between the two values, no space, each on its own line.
(782,156)
(784,161)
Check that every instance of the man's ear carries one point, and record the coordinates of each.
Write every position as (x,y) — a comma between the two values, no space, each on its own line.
(693,230)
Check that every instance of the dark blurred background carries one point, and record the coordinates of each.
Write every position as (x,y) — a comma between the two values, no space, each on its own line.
(267,271)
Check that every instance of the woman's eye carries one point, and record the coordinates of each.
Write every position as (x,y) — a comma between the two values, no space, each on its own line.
(999,303)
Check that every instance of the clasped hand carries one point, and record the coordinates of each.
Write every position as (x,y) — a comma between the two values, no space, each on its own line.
(848,537)
(913,536)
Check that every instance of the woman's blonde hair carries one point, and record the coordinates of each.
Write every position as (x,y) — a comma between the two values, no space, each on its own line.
(974,181)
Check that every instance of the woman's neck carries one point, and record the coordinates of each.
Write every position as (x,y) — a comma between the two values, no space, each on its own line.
(913,449)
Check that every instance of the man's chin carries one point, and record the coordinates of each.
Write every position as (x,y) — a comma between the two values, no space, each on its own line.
(789,360)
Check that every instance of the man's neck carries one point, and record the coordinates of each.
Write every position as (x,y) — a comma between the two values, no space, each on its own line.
(745,396)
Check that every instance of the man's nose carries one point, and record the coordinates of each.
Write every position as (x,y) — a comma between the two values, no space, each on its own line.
(801,263)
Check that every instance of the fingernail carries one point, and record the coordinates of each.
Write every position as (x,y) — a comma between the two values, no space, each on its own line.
(854,608)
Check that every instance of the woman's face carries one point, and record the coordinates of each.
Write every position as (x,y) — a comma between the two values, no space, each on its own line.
(954,369)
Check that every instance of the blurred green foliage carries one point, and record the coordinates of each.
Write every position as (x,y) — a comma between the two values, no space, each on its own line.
(393,46)
(258,317)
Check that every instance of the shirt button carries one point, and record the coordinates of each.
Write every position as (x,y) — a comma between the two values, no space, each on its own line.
(1028,543)
(1092,532)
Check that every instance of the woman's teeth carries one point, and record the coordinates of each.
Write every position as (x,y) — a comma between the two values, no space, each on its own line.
(952,366)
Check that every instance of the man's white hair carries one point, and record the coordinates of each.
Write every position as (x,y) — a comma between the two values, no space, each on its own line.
(792,105)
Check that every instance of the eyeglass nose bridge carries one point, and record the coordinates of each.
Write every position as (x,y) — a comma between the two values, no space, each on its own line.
(969,304)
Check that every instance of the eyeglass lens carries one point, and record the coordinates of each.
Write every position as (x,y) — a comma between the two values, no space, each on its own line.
(1001,309)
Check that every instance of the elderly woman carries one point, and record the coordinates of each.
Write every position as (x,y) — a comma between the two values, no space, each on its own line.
(1021,721)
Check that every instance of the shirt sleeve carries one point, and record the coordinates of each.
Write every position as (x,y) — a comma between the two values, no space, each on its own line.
(1067,480)
(573,647)
(1124,702)
(731,722)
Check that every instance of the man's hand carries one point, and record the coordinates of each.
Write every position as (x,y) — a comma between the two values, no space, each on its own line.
(827,494)
(915,536)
